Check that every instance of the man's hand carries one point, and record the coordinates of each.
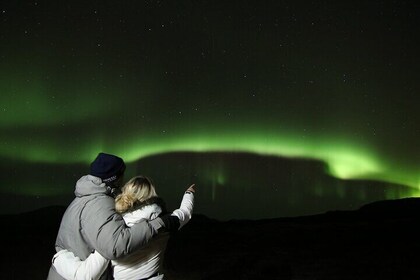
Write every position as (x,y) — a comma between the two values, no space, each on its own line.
(171,222)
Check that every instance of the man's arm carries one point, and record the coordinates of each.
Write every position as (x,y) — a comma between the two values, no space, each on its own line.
(108,234)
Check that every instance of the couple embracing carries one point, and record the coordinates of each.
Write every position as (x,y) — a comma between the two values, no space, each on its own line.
(114,232)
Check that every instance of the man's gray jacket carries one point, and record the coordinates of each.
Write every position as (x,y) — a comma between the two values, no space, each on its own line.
(91,223)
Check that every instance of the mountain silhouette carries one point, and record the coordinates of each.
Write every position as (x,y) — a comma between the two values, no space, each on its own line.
(377,241)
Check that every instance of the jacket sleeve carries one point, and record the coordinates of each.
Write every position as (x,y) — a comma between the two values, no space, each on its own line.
(184,212)
(107,233)
(71,267)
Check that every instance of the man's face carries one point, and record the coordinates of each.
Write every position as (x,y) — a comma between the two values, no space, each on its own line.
(114,188)
(119,182)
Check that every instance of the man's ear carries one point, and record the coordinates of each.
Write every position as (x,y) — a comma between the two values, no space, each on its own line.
(108,190)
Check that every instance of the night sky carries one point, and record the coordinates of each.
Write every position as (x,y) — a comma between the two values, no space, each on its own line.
(305,106)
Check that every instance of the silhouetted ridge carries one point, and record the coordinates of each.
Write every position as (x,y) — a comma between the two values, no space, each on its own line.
(397,208)
(359,244)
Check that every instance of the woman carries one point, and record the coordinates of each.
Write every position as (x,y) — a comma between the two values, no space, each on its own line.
(138,201)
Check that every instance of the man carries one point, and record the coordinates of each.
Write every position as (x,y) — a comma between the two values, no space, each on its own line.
(90,222)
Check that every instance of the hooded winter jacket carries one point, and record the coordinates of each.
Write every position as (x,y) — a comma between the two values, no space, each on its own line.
(91,223)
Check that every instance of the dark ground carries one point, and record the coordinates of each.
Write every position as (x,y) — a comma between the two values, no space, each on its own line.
(378,241)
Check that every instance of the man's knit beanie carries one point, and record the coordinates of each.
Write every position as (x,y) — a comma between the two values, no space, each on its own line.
(107,167)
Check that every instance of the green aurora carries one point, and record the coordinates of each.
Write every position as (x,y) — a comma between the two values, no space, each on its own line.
(344,159)
(37,121)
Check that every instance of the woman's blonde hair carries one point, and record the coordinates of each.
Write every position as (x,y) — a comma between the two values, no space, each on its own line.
(137,189)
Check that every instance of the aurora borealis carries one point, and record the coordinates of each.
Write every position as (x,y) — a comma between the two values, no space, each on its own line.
(333,83)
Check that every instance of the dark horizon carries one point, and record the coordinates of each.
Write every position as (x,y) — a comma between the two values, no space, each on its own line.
(376,242)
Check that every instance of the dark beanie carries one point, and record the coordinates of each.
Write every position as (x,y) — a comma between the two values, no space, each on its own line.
(107,167)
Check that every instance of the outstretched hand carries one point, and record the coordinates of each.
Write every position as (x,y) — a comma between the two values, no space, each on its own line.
(191,188)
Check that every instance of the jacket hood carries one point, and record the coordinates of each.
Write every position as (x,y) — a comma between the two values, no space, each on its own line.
(149,209)
(148,212)
(88,185)
(153,200)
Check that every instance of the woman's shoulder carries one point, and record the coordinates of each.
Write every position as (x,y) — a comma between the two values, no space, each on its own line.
(157,201)
(149,209)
